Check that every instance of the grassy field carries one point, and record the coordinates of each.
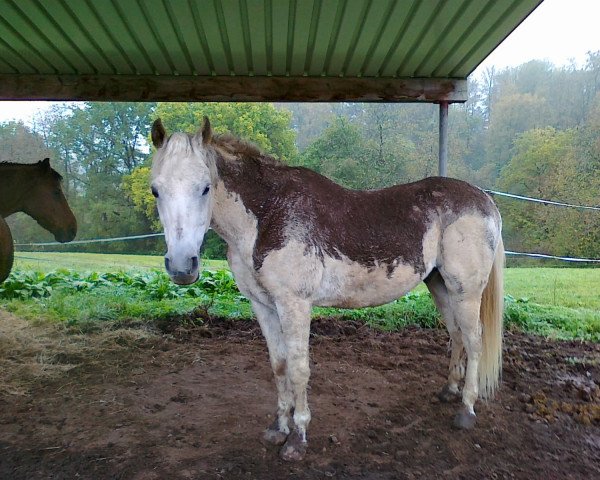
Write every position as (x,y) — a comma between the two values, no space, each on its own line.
(95,262)
(553,302)
(565,287)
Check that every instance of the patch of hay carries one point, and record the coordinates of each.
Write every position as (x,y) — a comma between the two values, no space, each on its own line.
(30,354)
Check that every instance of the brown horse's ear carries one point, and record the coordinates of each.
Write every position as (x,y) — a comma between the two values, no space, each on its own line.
(158,133)
(206,130)
(45,163)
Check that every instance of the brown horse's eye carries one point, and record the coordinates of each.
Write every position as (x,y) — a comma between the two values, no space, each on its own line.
(154,192)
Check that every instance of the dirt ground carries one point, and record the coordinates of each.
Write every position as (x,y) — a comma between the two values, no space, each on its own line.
(192,404)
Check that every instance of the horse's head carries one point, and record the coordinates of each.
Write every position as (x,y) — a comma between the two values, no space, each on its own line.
(46,203)
(181,184)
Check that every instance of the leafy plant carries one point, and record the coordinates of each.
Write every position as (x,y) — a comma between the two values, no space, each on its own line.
(156,285)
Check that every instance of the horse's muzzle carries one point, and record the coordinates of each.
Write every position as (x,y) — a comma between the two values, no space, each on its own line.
(66,235)
(186,277)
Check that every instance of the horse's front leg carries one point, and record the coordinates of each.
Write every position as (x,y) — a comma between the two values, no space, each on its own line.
(268,320)
(294,315)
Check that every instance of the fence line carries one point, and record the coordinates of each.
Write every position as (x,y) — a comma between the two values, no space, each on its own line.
(150,235)
(539,200)
(93,240)
(504,194)
(565,259)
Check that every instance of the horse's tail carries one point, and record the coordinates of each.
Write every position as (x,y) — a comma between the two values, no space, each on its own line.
(491,312)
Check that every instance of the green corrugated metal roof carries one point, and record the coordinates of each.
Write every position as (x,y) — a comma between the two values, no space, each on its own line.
(430,39)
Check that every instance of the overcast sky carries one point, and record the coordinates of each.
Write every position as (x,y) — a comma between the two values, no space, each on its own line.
(560,31)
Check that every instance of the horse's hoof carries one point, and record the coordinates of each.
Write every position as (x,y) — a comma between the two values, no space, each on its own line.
(294,449)
(448,396)
(464,420)
(273,435)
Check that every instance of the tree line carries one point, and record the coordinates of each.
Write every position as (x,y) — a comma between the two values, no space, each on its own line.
(530,130)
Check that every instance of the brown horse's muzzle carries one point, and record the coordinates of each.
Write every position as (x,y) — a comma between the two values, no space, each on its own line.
(67,234)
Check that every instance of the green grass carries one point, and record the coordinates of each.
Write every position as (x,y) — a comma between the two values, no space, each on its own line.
(89,310)
(562,303)
(83,299)
(96,262)
(552,321)
(564,287)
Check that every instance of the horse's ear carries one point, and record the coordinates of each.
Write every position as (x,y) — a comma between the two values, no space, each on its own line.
(45,163)
(158,133)
(206,130)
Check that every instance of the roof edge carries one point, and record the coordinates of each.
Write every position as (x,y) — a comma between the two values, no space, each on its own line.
(148,88)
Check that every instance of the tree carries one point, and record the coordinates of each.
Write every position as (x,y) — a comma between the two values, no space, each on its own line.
(341,154)
(19,144)
(309,120)
(514,114)
(547,165)
(97,144)
(261,123)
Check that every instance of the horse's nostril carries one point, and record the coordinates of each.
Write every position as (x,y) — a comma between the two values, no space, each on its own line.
(194,263)
(167,264)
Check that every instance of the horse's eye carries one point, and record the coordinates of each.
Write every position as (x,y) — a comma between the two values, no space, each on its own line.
(206,190)
(154,192)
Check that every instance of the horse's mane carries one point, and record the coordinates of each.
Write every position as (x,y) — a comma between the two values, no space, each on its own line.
(226,145)
(242,149)
(53,172)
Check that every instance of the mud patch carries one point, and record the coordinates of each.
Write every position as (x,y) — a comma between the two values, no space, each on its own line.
(193,404)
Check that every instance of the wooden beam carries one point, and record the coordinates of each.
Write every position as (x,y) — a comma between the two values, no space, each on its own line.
(146,88)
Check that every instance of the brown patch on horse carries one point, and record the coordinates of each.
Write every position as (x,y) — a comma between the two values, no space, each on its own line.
(372,228)
(281,368)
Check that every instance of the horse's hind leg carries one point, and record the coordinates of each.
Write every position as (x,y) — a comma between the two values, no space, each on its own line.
(466,310)
(268,320)
(439,292)
(465,268)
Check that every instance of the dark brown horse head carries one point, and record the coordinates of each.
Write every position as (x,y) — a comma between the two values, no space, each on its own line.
(46,203)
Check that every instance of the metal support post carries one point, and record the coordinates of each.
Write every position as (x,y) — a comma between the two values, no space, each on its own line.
(443,140)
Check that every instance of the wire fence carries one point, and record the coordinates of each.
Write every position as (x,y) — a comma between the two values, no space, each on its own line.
(547,202)
(539,200)
(92,240)
(493,192)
